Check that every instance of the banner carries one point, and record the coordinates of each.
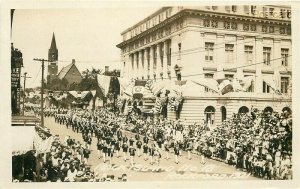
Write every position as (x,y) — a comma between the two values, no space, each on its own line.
(104,82)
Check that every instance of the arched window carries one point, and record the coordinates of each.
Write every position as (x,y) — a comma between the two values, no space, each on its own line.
(287,109)
(268,110)
(209,113)
(223,111)
(141,103)
(243,110)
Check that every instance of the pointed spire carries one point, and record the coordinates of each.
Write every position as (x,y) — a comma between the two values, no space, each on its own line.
(53,42)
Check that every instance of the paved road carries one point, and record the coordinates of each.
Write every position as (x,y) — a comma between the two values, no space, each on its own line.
(143,171)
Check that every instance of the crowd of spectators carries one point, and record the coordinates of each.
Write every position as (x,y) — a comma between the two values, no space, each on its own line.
(259,143)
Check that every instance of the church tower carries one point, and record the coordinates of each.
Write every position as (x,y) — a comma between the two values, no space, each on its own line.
(52,58)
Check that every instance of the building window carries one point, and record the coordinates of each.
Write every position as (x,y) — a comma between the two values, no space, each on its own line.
(229,53)
(209,51)
(214,7)
(267,55)
(233,25)
(179,51)
(284,84)
(282,30)
(288,13)
(233,8)
(229,76)
(248,54)
(206,23)
(246,9)
(209,113)
(243,110)
(223,111)
(271,29)
(227,8)
(271,12)
(253,27)
(246,27)
(214,23)
(253,9)
(209,75)
(288,30)
(266,87)
(282,13)
(264,29)
(227,25)
(284,57)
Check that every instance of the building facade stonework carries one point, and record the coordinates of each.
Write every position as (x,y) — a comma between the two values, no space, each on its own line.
(215,42)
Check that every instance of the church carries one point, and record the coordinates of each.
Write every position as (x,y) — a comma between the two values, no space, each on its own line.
(69,72)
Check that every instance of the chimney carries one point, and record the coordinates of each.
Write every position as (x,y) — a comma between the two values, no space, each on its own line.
(73,61)
(106,68)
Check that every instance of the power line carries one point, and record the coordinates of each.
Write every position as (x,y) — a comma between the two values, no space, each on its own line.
(35,76)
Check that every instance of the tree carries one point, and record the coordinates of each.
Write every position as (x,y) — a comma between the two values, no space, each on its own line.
(58,85)
(89,81)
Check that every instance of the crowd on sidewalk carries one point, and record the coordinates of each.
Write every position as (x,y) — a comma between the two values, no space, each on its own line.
(257,142)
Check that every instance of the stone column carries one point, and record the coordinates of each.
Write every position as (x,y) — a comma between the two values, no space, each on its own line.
(166,67)
(155,61)
(160,60)
(140,70)
(148,62)
(258,59)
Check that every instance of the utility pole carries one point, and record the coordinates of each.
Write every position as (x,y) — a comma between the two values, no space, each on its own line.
(42,90)
(25,77)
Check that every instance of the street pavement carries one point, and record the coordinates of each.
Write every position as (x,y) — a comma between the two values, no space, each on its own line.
(168,170)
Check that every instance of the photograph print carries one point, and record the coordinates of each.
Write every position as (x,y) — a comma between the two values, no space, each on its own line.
(166,93)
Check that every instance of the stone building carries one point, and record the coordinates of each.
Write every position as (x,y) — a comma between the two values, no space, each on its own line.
(215,42)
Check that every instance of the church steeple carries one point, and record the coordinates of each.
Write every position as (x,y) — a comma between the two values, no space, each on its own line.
(52,57)
(53,42)
(53,51)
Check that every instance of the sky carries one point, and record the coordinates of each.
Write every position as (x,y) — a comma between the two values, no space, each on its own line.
(87,35)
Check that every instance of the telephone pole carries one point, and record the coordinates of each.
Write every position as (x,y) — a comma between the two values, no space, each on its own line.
(42,89)
(25,77)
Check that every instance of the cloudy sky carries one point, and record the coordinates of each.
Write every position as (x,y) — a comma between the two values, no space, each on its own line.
(87,35)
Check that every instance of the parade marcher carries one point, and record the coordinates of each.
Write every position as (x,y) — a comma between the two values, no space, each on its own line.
(131,141)
(110,153)
(151,153)
(157,155)
(125,150)
(132,155)
(138,146)
(167,150)
(99,148)
(117,148)
(190,148)
(86,155)
(145,151)
(104,152)
(176,153)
